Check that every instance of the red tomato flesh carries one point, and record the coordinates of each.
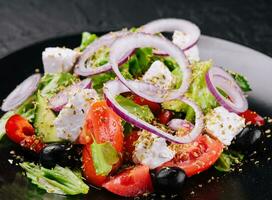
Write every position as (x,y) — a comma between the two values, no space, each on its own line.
(197,156)
(103,125)
(131,182)
(253,117)
(20,131)
(129,145)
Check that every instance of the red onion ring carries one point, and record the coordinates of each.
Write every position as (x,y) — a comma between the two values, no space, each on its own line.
(58,101)
(171,25)
(114,88)
(217,77)
(106,40)
(159,53)
(140,40)
(21,92)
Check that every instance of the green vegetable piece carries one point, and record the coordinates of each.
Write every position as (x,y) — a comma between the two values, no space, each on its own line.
(198,90)
(104,156)
(170,63)
(177,77)
(58,180)
(100,57)
(99,80)
(140,62)
(28,109)
(51,84)
(227,160)
(44,121)
(241,81)
(87,38)
(127,127)
(175,105)
(3,122)
(142,112)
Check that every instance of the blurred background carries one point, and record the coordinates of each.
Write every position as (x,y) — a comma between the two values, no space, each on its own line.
(25,22)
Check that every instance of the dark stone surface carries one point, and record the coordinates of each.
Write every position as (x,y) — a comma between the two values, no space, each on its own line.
(25,22)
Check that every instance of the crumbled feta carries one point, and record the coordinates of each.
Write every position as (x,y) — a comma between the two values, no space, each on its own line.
(223,124)
(151,150)
(71,118)
(56,59)
(159,75)
(180,39)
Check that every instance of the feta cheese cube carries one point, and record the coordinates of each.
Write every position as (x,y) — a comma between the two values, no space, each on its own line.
(159,75)
(56,59)
(223,125)
(151,150)
(181,39)
(71,118)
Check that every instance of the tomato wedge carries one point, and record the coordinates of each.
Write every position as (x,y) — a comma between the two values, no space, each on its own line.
(103,125)
(129,145)
(253,117)
(198,156)
(131,182)
(20,131)
(154,107)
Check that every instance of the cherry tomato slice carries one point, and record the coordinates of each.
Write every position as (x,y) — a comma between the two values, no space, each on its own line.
(20,131)
(131,182)
(253,117)
(197,156)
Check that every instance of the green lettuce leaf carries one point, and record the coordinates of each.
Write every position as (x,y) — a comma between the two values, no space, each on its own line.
(50,84)
(104,157)
(100,57)
(227,160)
(198,90)
(127,127)
(139,63)
(87,38)
(28,108)
(241,81)
(99,80)
(58,180)
(142,112)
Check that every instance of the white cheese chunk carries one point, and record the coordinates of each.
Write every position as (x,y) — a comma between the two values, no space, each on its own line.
(181,39)
(159,75)
(71,118)
(56,59)
(151,151)
(223,124)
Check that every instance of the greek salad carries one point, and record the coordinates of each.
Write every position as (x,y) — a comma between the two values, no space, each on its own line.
(131,111)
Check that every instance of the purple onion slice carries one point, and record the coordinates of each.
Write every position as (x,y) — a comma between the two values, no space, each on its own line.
(21,92)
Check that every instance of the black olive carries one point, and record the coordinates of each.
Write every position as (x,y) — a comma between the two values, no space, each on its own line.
(61,154)
(248,138)
(169,179)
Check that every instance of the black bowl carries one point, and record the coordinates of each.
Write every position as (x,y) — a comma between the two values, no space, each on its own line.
(252,181)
